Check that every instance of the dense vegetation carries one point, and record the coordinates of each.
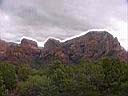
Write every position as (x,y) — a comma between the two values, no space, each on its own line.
(106,77)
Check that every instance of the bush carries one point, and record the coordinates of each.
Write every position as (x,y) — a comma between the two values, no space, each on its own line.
(2,87)
(23,72)
(8,73)
(34,86)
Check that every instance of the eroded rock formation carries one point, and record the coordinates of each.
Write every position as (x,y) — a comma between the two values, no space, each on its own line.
(91,46)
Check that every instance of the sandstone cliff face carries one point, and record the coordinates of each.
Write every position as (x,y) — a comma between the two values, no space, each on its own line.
(94,45)
(3,48)
(25,43)
(90,46)
(22,53)
(53,49)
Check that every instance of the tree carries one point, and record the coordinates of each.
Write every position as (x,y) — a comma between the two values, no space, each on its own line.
(2,87)
(114,75)
(23,72)
(9,75)
(70,80)
(34,86)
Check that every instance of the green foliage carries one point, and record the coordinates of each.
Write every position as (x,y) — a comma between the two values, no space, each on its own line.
(113,75)
(9,75)
(2,87)
(106,77)
(60,78)
(23,72)
(34,86)
(70,80)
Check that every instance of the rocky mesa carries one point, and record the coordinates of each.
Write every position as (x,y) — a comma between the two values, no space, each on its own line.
(91,46)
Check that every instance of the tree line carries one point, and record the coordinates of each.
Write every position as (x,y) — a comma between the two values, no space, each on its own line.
(105,77)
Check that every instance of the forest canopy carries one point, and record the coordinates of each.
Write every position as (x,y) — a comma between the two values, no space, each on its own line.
(105,77)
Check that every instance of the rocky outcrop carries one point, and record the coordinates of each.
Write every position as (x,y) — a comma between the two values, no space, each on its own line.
(91,46)
(25,43)
(53,49)
(94,45)
(3,48)
(24,53)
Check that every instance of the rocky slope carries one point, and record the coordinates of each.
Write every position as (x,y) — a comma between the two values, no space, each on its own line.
(90,46)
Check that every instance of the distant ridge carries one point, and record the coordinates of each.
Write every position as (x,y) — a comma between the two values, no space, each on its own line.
(91,46)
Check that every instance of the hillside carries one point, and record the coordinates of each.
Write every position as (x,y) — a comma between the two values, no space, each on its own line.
(93,64)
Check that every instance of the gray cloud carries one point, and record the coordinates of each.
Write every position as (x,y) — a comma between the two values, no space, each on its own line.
(47,13)
(39,19)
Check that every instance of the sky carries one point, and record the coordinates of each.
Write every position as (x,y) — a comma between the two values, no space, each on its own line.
(62,19)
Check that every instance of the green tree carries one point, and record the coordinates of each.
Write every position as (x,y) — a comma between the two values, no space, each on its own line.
(23,72)
(2,87)
(87,74)
(70,80)
(9,75)
(114,75)
(35,86)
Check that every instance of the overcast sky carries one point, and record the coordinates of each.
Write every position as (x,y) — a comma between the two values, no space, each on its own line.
(39,19)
